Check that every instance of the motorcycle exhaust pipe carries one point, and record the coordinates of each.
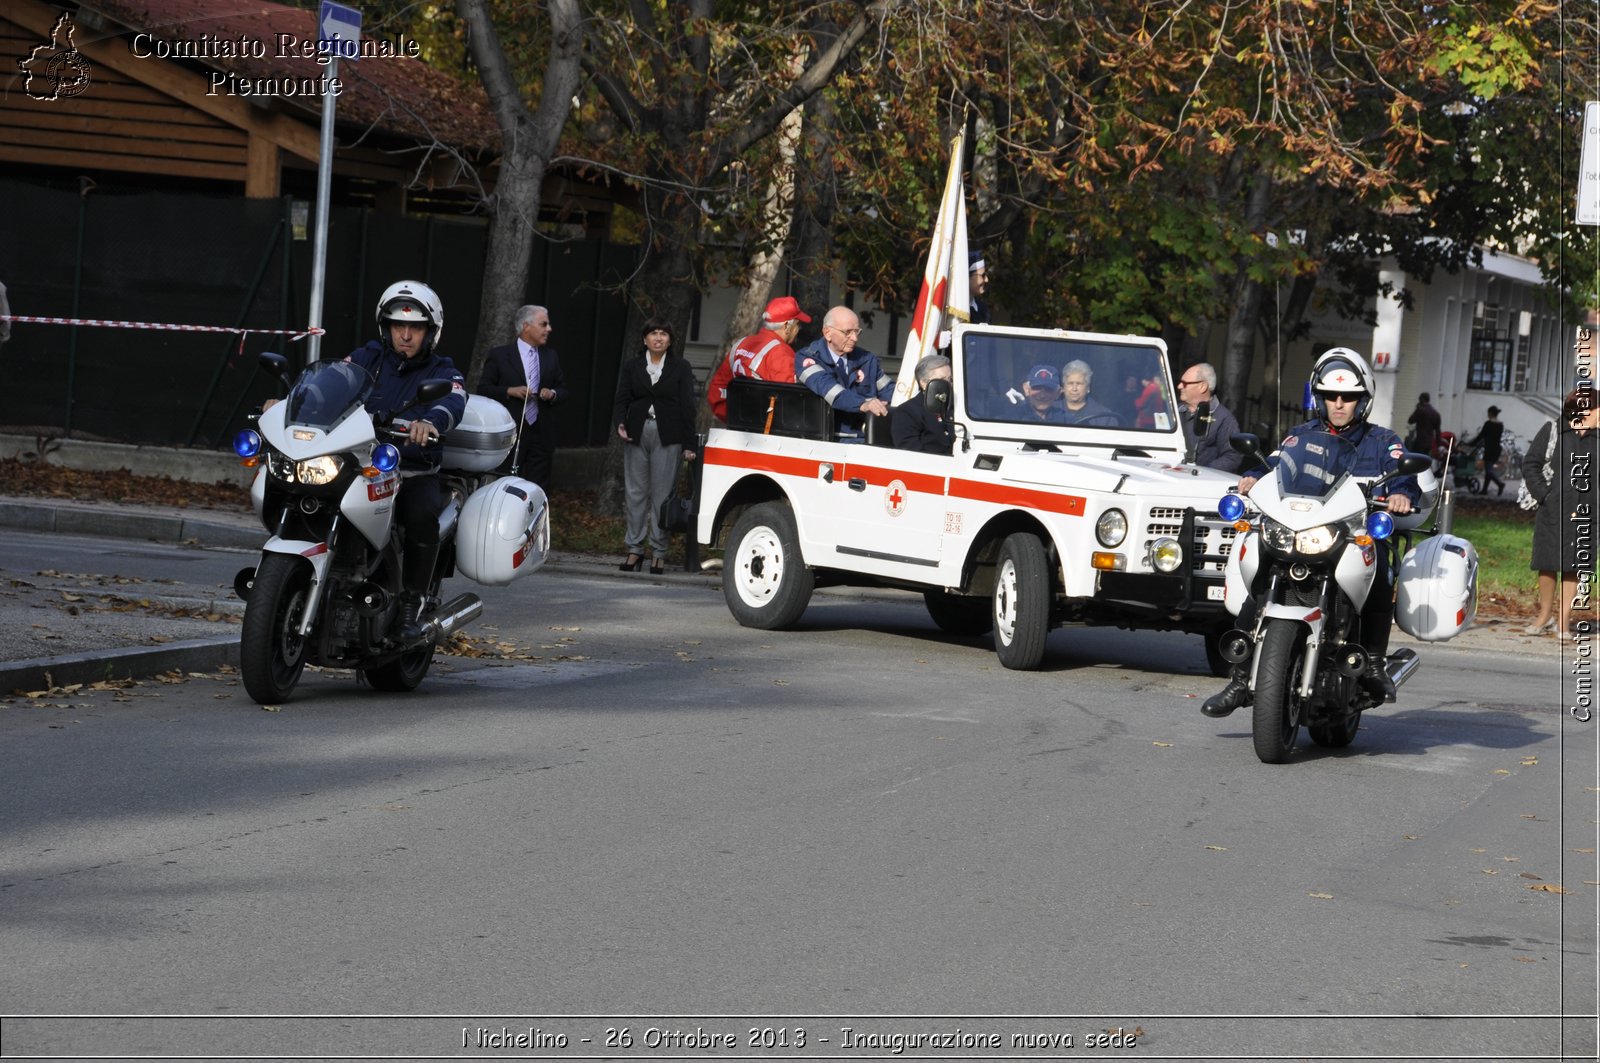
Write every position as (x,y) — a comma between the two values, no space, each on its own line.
(1352,661)
(451,617)
(1400,664)
(1234,646)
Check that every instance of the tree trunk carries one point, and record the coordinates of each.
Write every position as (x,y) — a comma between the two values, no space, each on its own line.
(816,199)
(1245,310)
(528,140)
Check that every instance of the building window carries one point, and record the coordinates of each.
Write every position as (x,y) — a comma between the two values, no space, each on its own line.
(1489,361)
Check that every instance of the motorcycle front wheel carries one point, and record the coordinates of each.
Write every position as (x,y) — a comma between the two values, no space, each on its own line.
(1274,724)
(272,653)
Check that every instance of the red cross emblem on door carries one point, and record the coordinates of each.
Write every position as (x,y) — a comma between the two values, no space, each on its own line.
(894,499)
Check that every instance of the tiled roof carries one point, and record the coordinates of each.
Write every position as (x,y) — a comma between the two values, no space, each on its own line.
(395,93)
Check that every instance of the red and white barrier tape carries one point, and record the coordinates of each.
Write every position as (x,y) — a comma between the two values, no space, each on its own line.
(295,334)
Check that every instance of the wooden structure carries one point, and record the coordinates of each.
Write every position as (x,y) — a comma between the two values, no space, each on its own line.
(152,96)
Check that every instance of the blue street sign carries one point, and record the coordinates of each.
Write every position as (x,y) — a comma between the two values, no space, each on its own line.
(339,30)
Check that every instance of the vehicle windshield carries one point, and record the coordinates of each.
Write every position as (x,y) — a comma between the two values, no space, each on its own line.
(326,392)
(1314,464)
(1061,380)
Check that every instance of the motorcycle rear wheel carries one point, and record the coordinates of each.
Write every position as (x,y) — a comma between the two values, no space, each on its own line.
(406,672)
(272,652)
(1336,734)
(1273,726)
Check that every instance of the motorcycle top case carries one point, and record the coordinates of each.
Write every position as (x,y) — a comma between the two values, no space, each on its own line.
(483,438)
(504,531)
(1436,588)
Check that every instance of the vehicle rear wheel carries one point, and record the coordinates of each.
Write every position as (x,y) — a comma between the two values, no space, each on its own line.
(272,653)
(1273,725)
(765,581)
(1021,601)
(1213,639)
(959,614)
(1335,735)
(406,672)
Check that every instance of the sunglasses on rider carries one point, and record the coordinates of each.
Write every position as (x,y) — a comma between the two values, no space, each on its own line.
(1343,396)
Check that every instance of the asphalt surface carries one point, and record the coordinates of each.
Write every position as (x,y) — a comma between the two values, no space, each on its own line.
(128,619)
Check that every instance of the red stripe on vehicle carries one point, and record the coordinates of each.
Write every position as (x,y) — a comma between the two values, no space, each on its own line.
(1012,495)
(877,477)
(756,461)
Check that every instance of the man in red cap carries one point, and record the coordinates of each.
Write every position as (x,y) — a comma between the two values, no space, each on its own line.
(767,355)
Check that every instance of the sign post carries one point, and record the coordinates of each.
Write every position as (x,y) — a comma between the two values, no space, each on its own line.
(338,34)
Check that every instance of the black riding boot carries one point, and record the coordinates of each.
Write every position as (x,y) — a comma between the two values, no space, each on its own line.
(1375,679)
(1236,695)
(416,579)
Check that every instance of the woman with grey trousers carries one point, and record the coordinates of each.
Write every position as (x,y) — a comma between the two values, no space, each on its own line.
(654,415)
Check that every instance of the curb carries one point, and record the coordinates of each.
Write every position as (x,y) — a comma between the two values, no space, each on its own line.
(104,521)
(94,666)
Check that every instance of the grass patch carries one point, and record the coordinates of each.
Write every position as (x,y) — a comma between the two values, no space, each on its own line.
(1503,537)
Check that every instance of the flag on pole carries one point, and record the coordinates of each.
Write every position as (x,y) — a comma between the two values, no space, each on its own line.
(944,296)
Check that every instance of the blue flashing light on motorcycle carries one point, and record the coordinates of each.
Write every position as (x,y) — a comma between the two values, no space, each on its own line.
(385,457)
(247,444)
(1231,508)
(1380,525)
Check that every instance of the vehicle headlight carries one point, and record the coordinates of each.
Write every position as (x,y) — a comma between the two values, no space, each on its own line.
(319,471)
(1318,540)
(1111,528)
(1276,536)
(280,467)
(1166,555)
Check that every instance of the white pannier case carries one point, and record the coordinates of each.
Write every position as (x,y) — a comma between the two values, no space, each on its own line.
(504,531)
(483,438)
(1436,592)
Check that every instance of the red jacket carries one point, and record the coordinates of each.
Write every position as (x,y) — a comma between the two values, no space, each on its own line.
(762,355)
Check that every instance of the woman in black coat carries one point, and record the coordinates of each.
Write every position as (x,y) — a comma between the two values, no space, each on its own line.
(654,415)
(1564,537)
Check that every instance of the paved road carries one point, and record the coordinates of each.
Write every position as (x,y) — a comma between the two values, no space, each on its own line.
(651,812)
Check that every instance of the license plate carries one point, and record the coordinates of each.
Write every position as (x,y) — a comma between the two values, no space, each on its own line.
(1216,593)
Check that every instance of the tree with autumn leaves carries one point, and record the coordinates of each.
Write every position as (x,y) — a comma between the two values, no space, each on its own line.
(1196,168)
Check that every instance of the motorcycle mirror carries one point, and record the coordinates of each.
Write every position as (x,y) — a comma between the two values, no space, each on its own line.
(276,364)
(433,389)
(1248,444)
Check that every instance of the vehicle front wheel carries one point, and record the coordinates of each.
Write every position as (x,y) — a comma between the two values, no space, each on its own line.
(272,652)
(1274,724)
(764,579)
(959,614)
(1021,603)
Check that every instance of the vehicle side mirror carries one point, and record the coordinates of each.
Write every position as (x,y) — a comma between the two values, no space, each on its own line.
(938,397)
(1410,465)
(433,389)
(276,364)
(1248,444)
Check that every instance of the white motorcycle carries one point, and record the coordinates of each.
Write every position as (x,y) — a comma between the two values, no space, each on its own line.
(1305,566)
(327,588)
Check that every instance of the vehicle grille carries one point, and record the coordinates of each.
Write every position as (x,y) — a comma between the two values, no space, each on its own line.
(1213,538)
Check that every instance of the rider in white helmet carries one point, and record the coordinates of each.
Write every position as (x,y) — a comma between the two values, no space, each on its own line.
(1341,397)
(410,320)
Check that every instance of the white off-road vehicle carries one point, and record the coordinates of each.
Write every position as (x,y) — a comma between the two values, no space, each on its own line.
(1028,525)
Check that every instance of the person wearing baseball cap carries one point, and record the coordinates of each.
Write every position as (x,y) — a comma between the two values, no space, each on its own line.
(1041,393)
(767,354)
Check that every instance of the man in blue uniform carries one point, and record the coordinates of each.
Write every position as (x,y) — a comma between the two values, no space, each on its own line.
(848,376)
(1342,393)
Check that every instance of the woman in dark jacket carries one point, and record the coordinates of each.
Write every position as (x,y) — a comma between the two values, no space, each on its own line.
(1564,537)
(654,415)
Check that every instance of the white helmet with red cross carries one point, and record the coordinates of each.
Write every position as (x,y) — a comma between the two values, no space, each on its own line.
(1341,370)
(415,303)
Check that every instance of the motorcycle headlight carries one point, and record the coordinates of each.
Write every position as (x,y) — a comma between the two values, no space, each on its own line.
(1276,536)
(280,467)
(1318,540)
(319,471)
(1111,528)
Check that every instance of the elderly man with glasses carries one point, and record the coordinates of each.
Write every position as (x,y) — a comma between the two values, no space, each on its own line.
(1207,423)
(847,375)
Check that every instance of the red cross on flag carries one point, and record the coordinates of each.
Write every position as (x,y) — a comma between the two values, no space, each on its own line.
(944,295)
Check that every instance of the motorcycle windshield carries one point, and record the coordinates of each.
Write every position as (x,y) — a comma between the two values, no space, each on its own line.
(325,393)
(1314,464)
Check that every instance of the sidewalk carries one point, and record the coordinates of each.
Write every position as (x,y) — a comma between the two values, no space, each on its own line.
(99,628)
